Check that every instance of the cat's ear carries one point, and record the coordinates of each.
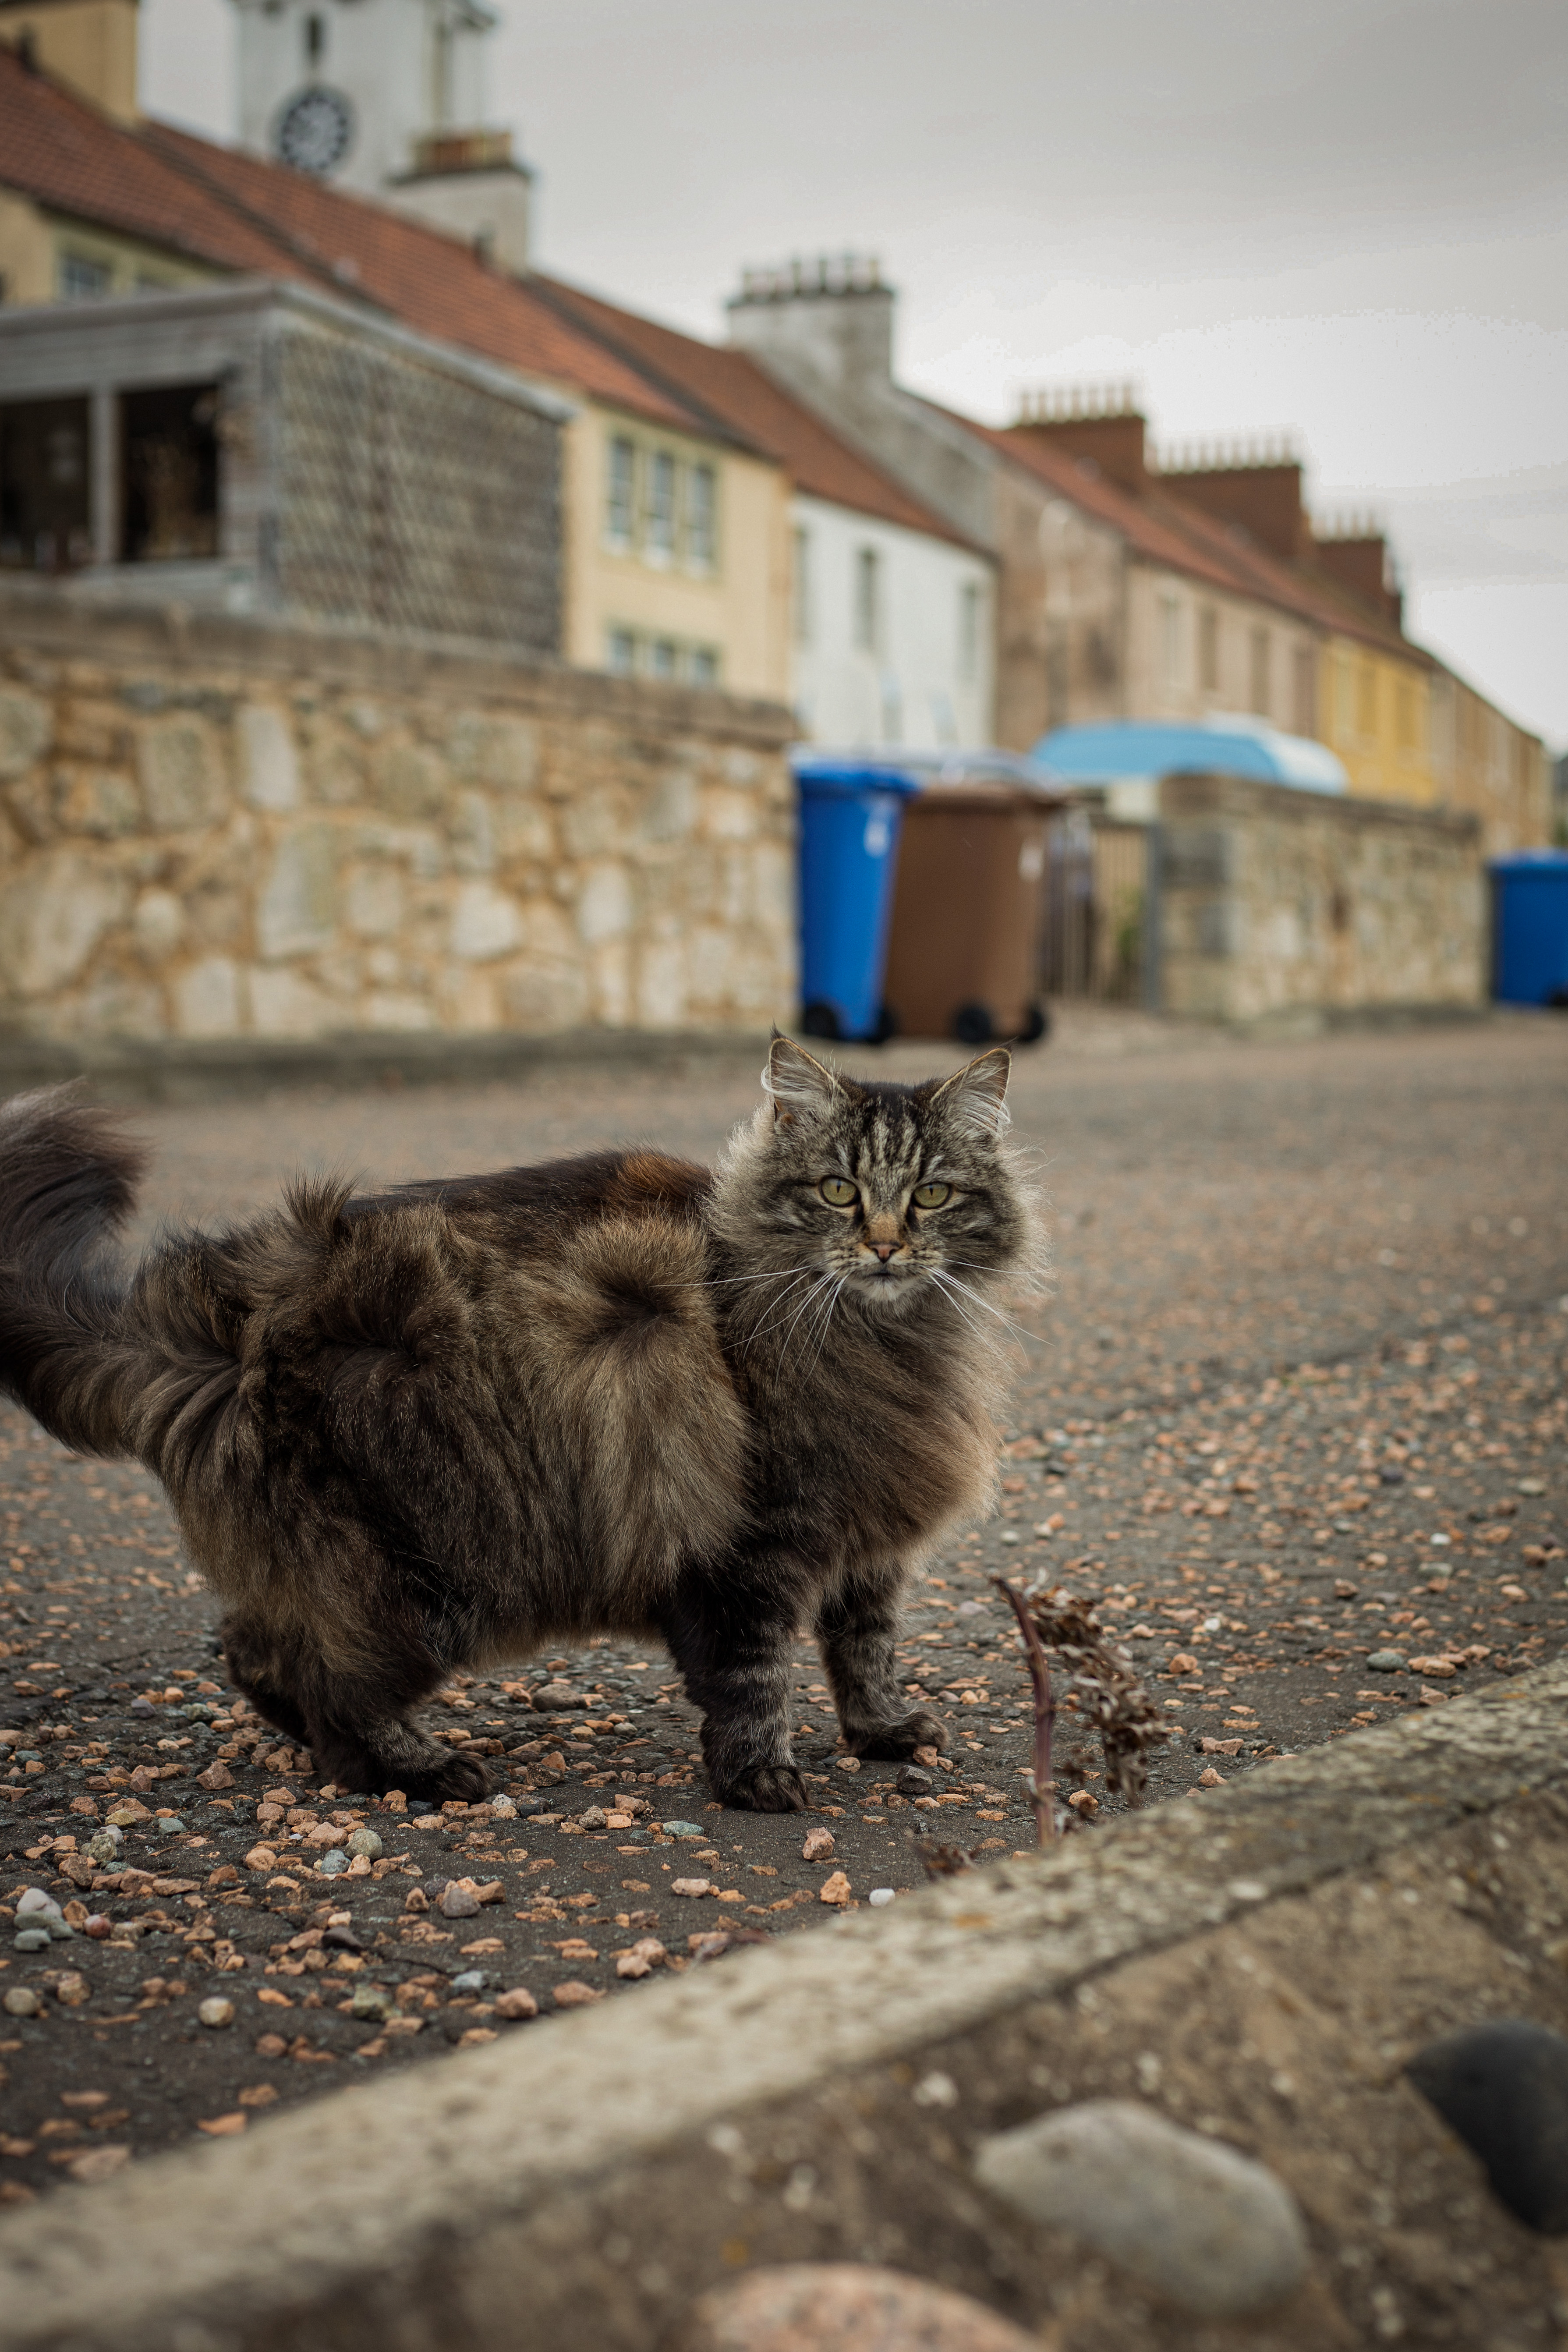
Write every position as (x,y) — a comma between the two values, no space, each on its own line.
(975,1099)
(800,1086)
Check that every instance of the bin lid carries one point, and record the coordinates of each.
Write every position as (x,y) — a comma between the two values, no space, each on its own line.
(1219,745)
(1532,861)
(848,777)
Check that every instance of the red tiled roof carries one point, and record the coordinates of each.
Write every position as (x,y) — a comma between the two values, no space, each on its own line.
(433,282)
(71,158)
(1160,527)
(732,386)
(240,213)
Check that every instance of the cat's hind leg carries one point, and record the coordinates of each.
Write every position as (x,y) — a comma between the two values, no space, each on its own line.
(857,1626)
(352,1711)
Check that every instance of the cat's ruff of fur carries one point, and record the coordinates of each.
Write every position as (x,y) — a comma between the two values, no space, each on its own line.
(456,1422)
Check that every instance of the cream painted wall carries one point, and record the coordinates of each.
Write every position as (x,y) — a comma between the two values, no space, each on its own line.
(740,608)
(26,251)
(914,687)
(33,243)
(1166,676)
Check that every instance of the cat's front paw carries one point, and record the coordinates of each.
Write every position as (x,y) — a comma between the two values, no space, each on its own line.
(897,1740)
(456,1780)
(764,1788)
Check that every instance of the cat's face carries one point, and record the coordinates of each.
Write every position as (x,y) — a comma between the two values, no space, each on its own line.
(888,1188)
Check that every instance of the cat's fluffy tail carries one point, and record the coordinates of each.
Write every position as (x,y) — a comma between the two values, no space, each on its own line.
(67,1184)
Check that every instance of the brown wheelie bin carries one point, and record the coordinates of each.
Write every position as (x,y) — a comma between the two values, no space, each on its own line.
(963,953)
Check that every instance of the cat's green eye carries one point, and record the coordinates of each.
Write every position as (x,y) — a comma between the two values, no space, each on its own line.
(838,1191)
(931,1196)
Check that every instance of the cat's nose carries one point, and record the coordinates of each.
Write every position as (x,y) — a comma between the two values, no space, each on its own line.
(884,1250)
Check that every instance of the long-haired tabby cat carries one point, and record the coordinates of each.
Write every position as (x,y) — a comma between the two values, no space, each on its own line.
(455,1423)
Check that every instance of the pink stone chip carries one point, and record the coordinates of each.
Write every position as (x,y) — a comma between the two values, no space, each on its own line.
(845,2307)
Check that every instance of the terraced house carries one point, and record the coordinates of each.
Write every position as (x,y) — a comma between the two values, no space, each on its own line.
(676,532)
(1131,588)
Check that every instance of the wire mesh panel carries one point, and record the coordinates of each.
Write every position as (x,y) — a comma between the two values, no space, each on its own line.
(411,499)
(1096,908)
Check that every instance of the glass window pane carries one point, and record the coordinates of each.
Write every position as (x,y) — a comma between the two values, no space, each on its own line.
(704,665)
(80,279)
(665,658)
(622,652)
(868,600)
(802,586)
(701,502)
(620,520)
(660,538)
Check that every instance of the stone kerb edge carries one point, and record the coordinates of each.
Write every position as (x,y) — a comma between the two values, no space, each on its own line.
(392,2178)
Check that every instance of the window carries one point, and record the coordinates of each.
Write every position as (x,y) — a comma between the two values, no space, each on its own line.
(1306,691)
(969,606)
(1366,701)
(82,277)
(660,538)
(1260,670)
(701,507)
(868,599)
(621,509)
(1171,638)
(1208,650)
(44,488)
(170,451)
(1404,714)
(630,654)
(802,588)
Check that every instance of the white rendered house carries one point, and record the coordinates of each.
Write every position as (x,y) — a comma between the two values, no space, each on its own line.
(891,632)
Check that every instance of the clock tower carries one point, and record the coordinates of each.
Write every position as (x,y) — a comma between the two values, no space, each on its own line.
(386,98)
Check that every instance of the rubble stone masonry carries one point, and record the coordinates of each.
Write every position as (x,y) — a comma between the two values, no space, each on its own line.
(1276,902)
(214,828)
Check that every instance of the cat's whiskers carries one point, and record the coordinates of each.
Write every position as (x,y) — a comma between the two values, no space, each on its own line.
(827,1320)
(970,1292)
(813,1293)
(773,1310)
(950,1293)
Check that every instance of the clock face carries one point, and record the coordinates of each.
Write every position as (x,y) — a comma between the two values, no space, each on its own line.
(314,130)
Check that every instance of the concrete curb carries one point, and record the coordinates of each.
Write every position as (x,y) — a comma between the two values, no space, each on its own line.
(160,1071)
(434,2207)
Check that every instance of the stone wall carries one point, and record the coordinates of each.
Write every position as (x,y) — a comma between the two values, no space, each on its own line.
(1276,901)
(220,828)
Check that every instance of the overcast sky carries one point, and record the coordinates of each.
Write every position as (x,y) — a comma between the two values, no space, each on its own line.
(1347,220)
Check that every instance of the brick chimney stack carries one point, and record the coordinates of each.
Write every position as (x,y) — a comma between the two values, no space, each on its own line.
(89,44)
(1253,487)
(1102,425)
(1356,553)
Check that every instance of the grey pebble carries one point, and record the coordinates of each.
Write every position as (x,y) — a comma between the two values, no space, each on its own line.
(31,1939)
(334,1862)
(1203,2225)
(365,1842)
(1386,1662)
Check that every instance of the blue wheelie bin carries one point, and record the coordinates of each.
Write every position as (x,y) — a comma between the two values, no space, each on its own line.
(1530,928)
(850,812)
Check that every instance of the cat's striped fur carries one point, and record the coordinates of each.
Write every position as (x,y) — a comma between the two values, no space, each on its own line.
(450,1424)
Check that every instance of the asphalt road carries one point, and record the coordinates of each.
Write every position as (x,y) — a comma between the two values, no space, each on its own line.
(1295,1418)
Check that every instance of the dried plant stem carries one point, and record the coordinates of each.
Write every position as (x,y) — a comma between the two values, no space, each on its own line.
(1044,1712)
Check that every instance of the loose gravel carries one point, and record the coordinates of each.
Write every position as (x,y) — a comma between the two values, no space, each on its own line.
(1295,1420)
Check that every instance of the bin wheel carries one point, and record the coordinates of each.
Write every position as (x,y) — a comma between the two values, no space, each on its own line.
(887,1026)
(820,1021)
(1036,1024)
(972,1024)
